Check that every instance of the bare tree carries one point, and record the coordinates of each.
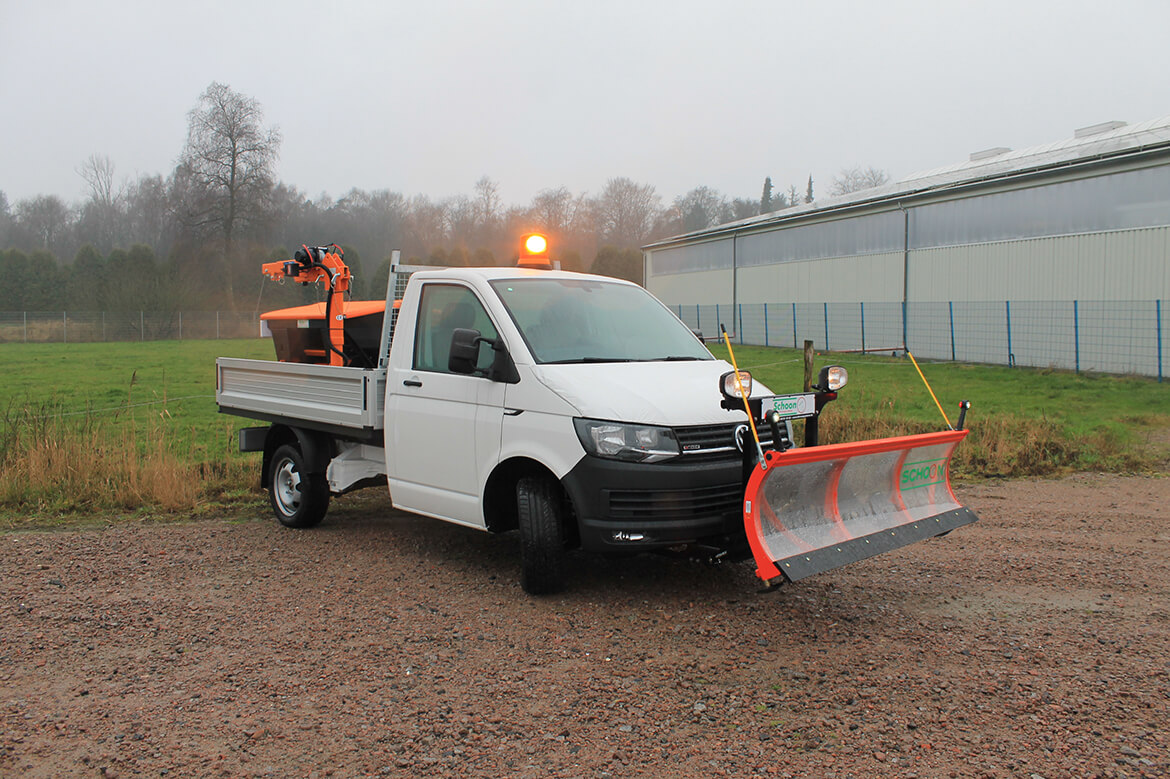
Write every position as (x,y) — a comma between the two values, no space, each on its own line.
(44,219)
(626,212)
(856,178)
(229,159)
(101,214)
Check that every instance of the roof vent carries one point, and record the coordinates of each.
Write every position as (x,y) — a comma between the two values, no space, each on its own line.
(987,154)
(1097,129)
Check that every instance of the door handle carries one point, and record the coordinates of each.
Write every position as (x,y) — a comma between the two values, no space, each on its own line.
(412,383)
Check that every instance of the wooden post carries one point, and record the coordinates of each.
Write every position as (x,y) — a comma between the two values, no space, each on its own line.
(808,365)
(811,427)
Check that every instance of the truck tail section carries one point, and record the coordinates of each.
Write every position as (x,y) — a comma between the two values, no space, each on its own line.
(813,509)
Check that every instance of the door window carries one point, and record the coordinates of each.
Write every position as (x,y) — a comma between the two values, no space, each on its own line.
(444,308)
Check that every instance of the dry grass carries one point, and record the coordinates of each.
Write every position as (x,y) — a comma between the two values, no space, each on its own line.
(1010,446)
(51,464)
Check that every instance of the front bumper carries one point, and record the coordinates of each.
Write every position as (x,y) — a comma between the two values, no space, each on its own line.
(631,507)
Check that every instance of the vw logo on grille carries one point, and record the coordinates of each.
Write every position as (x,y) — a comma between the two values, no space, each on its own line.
(740,436)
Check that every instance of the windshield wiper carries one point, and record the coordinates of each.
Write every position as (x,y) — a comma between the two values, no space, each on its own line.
(588,359)
(677,358)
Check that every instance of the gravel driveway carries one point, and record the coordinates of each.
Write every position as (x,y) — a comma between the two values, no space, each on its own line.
(1033,643)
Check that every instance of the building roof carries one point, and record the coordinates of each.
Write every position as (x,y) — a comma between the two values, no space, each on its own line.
(1099,142)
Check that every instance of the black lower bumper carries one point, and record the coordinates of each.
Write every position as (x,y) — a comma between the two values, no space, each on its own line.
(632,507)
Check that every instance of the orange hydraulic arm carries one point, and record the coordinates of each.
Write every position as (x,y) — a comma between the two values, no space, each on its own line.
(316,263)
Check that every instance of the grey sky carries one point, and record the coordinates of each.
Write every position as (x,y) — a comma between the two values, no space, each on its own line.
(426,97)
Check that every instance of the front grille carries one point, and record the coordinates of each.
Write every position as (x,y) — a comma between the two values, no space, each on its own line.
(704,443)
(675,504)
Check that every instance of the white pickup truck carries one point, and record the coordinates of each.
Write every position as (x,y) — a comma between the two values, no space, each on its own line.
(575,408)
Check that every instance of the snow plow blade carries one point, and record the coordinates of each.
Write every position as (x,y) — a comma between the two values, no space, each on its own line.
(818,508)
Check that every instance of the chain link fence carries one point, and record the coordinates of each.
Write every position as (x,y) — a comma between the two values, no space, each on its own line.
(1106,336)
(89,326)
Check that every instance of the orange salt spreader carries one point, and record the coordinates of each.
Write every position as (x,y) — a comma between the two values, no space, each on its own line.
(336,331)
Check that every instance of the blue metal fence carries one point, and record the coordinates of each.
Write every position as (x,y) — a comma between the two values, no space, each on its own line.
(1083,335)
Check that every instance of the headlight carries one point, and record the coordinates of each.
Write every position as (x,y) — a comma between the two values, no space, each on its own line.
(730,390)
(633,443)
(832,378)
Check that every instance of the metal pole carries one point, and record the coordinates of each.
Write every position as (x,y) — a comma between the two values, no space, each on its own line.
(1158,313)
(794,325)
(217,325)
(698,318)
(863,327)
(740,312)
(718,319)
(826,326)
(25,326)
(765,324)
(64,327)
(1008,309)
(1077,334)
(951,309)
(180,325)
(103,326)
(141,326)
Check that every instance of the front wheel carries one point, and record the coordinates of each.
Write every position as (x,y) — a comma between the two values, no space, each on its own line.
(298,498)
(542,536)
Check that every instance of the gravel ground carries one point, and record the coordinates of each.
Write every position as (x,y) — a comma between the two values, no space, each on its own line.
(1034,643)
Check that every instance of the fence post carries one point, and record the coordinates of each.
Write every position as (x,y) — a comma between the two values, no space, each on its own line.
(739,327)
(103,327)
(1077,334)
(1158,313)
(698,318)
(826,305)
(25,326)
(718,319)
(180,325)
(64,327)
(794,325)
(905,346)
(1008,309)
(951,309)
(766,324)
(863,327)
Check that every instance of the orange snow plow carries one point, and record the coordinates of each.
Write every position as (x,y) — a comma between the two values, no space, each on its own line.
(810,510)
(815,508)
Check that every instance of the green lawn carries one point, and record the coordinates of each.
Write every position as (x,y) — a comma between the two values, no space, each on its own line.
(155,382)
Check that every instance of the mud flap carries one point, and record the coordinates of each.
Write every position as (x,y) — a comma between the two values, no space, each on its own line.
(813,509)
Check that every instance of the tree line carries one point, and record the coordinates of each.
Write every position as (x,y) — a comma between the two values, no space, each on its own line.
(195,237)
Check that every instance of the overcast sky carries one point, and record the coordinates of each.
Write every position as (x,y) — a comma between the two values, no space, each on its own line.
(425,97)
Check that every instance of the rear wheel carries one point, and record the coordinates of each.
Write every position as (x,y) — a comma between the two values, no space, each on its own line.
(542,536)
(298,498)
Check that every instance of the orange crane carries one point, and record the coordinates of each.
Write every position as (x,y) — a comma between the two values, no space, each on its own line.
(316,263)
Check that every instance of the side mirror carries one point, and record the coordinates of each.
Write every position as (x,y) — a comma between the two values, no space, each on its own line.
(464,352)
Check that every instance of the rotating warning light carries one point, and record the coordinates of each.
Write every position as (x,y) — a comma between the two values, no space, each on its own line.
(536,244)
(534,251)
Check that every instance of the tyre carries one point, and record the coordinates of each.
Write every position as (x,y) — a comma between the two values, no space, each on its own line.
(542,536)
(298,498)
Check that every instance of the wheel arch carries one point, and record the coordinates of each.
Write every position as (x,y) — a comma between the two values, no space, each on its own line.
(499,496)
(316,448)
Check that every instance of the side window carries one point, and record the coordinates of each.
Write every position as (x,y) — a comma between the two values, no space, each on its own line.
(445,307)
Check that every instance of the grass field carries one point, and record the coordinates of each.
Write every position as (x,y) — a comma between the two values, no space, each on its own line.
(132,428)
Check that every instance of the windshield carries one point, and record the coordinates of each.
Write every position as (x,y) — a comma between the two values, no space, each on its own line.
(585,320)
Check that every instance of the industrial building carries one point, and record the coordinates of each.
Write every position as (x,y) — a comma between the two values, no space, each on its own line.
(1056,255)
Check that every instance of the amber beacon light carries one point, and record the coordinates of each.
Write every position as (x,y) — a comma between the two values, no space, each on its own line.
(534,251)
